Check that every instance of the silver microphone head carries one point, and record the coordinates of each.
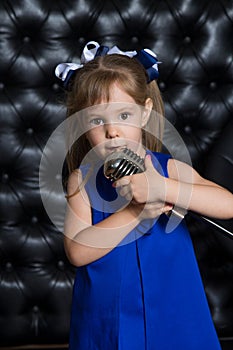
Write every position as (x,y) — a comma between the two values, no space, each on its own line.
(123,163)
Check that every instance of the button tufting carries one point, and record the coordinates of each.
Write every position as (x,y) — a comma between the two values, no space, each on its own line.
(188,129)
(35,309)
(213,85)
(135,39)
(60,264)
(55,87)
(58,177)
(26,39)
(187,40)
(162,85)
(30,131)
(34,219)
(5,177)
(9,266)
(81,40)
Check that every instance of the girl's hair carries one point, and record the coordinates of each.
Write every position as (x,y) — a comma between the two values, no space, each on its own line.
(92,85)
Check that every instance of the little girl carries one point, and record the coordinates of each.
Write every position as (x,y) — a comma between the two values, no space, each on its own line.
(137,287)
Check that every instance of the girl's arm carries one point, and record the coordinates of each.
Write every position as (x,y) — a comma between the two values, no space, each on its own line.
(188,190)
(184,188)
(84,242)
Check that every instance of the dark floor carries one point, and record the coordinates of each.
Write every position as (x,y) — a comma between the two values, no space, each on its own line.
(226,344)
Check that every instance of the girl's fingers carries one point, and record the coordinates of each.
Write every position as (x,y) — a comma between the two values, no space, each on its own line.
(122,182)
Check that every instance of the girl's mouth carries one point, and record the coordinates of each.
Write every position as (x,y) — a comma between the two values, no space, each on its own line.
(113,149)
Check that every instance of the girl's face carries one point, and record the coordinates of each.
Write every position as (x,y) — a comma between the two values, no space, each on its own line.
(117,124)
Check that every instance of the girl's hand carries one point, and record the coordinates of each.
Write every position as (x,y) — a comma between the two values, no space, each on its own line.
(149,210)
(184,188)
(147,187)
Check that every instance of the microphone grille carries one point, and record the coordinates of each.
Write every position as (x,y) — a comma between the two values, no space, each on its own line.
(123,163)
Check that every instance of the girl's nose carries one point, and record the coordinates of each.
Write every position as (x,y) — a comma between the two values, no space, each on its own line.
(112,131)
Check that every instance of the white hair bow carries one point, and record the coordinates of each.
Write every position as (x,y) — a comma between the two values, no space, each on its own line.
(92,49)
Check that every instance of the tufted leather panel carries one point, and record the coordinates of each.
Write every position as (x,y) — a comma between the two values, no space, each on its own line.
(194,42)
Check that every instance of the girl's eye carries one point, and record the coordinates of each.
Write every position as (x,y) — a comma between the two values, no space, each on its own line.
(97,121)
(124,116)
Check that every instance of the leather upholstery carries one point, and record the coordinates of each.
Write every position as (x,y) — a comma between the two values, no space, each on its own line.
(193,39)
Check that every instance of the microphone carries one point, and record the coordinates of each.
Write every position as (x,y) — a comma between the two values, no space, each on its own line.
(123,163)
(126,162)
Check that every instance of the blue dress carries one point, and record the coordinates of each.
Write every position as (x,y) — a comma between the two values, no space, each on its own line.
(147,293)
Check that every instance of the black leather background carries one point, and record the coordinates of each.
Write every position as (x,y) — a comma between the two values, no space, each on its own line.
(193,39)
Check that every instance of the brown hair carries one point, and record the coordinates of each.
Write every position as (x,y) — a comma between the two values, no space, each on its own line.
(92,85)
